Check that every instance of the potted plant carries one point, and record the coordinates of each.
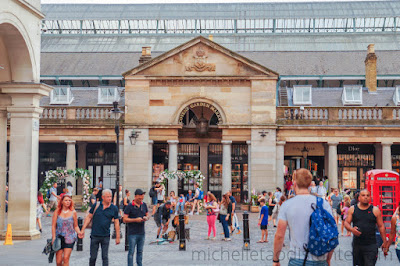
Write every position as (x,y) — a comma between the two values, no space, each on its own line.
(245,205)
(254,201)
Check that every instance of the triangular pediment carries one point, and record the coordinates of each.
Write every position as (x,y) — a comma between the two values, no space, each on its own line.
(200,57)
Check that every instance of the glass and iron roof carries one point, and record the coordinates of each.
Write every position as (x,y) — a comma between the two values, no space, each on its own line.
(233,18)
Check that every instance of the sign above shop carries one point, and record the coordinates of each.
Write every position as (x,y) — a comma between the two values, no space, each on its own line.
(200,104)
(356,149)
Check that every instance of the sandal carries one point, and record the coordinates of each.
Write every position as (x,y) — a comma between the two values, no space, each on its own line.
(260,241)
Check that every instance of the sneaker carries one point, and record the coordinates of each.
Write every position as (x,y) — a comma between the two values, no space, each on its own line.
(190,213)
(197,213)
(213,238)
(207,238)
(239,232)
(227,239)
(40,230)
(274,225)
(49,215)
(176,213)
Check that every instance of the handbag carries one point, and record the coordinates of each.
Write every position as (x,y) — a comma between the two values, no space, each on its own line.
(57,244)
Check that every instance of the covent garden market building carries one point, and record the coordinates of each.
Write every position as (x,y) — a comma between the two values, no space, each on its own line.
(245,93)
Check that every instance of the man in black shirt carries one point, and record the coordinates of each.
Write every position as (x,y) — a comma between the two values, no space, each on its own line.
(101,214)
(162,217)
(135,215)
(365,218)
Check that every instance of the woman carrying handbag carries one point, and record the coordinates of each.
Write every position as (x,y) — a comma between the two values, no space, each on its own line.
(64,230)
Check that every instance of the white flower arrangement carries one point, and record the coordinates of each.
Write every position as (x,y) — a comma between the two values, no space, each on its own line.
(188,176)
(52,176)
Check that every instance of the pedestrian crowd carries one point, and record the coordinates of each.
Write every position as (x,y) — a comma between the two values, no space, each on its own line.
(297,209)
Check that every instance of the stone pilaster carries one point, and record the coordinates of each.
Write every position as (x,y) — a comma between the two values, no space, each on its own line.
(121,163)
(3,166)
(173,164)
(387,155)
(81,163)
(280,163)
(24,156)
(150,179)
(333,165)
(71,161)
(204,163)
(249,163)
(226,166)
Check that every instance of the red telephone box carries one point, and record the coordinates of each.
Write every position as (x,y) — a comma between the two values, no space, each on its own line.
(384,187)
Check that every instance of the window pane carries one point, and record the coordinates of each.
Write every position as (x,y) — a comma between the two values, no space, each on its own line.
(349,94)
(356,94)
(306,94)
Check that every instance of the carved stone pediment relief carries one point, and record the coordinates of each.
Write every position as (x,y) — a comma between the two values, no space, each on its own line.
(200,63)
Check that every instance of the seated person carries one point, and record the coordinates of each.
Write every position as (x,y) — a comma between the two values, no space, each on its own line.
(189,200)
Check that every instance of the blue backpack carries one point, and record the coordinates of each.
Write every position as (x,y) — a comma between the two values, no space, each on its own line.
(201,194)
(324,235)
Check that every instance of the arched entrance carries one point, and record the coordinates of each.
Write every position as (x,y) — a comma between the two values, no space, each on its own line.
(19,77)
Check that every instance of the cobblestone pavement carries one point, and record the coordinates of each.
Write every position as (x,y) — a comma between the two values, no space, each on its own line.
(199,251)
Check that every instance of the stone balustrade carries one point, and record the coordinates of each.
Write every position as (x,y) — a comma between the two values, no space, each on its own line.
(76,113)
(332,115)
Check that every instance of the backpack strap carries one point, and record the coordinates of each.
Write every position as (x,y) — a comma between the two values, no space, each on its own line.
(313,207)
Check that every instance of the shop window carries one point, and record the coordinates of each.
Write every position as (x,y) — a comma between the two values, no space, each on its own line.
(302,95)
(396,96)
(108,95)
(352,95)
(61,95)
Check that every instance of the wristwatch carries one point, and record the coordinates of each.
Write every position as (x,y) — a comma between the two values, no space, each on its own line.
(275,261)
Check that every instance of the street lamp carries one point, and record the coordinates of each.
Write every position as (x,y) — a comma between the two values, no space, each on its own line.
(116,114)
(304,152)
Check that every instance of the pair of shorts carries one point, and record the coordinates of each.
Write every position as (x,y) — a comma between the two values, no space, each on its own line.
(65,245)
(154,201)
(158,222)
(264,227)
(334,211)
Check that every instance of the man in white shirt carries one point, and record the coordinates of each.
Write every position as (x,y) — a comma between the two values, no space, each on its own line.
(295,214)
(321,190)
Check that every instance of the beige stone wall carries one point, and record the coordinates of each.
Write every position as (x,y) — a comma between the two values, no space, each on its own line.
(136,160)
(263,160)
(263,102)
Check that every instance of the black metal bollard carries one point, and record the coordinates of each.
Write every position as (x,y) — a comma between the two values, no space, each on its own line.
(79,244)
(182,236)
(126,238)
(246,232)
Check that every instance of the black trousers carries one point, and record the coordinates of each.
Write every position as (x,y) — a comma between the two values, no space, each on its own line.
(365,255)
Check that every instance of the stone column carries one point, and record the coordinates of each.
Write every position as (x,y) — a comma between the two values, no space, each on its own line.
(3,166)
(24,156)
(387,155)
(378,156)
(326,159)
(280,162)
(333,165)
(204,163)
(226,166)
(81,164)
(150,179)
(249,162)
(71,161)
(173,164)
(298,163)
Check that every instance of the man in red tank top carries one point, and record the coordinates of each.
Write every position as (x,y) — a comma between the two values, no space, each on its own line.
(365,218)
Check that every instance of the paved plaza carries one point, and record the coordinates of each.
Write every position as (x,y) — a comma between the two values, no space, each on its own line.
(199,251)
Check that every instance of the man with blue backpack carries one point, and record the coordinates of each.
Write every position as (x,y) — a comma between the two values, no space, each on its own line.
(312,228)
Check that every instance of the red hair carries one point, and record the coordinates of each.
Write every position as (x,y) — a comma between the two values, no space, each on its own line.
(59,206)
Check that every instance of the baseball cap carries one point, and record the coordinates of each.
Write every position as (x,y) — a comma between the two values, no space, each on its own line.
(139,192)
